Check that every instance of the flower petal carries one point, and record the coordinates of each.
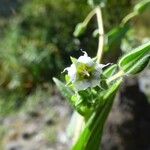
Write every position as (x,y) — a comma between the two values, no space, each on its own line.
(86,60)
(85,72)
(72,72)
(82,85)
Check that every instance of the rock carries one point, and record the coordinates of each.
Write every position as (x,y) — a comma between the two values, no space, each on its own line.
(29,131)
(13,146)
(49,121)
(42,129)
(34,114)
(62,137)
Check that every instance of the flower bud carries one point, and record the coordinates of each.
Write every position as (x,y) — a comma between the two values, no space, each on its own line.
(79,30)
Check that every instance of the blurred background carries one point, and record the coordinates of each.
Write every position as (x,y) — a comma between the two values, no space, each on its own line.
(36,40)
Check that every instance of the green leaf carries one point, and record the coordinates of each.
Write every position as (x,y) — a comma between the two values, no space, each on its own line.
(135,61)
(110,71)
(140,65)
(65,91)
(92,133)
(142,6)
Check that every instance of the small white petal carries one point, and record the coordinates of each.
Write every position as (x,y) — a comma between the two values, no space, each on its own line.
(72,72)
(99,67)
(96,75)
(86,60)
(98,71)
(95,83)
(82,85)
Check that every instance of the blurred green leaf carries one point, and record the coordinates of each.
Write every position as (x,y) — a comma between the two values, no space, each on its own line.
(115,36)
(135,61)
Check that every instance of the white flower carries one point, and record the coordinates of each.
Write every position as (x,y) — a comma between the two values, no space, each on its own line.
(84,72)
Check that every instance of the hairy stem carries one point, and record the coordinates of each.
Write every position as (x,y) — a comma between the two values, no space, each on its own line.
(128,18)
(116,76)
(78,128)
(101,33)
(89,17)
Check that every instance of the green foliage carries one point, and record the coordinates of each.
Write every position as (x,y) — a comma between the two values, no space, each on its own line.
(92,132)
(110,71)
(77,99)
(35,44)
(95,102)
(38,43)
(33,41)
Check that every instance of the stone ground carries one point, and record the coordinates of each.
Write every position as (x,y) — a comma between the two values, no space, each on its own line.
(41,127)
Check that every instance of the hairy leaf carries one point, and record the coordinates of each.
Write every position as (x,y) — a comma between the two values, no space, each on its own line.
(110,71)
(135,61)
(65,91)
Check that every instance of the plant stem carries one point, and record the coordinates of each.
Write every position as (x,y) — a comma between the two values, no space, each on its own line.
(78,128)
(101,33)
(80,120)
(89,17)
(117,75)
(128,17)
(98,13)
